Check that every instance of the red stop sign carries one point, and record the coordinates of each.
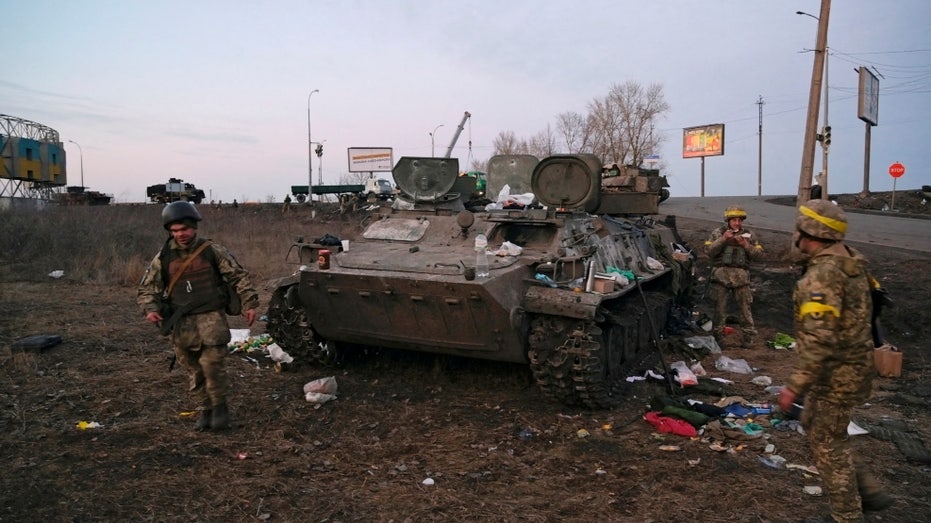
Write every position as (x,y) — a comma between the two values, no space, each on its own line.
(896,170)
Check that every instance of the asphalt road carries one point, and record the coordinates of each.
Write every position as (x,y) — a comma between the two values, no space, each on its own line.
(899,232)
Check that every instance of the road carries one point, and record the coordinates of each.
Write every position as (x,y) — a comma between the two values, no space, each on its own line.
(877,229)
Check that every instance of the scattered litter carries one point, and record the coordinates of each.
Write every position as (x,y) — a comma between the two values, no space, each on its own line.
(698,369)
(855,430)
(242,455)
(703,342)
(774,389)
(670,448)
(694,462)
(278,354)
(56,274)
(812,490)
(782,341)
(84,425)
(731,365)
(648,374)
(601,472)
(582,433)
(187,413)
(683,374)
(320,390)
(428,482)
(717,447)
(762,380)
(773,462)
(805,468)
(653,264)
(38,342)
(509,249)
(722,380)
(526,434)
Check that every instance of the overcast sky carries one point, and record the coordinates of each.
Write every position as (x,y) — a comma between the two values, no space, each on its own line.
(216,93)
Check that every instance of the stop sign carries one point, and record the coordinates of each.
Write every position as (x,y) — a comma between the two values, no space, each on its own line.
(896,170)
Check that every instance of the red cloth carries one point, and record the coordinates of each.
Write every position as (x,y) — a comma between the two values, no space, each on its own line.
(670,425)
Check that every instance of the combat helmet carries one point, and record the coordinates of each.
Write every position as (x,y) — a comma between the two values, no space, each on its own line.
(735,211)
(822,219)
(178,211)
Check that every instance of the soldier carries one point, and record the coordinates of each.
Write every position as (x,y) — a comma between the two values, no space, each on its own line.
(835,369)
(287,203)
(184,291)
(731,249)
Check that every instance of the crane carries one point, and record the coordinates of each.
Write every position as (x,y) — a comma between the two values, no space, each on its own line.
(465,117)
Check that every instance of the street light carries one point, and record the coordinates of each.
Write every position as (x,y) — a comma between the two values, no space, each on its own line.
(310,151)
(824,135)
(814,99)
(82,160)
(433,141)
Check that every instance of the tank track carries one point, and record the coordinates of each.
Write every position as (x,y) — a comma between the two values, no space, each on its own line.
(579,362)
(289,328)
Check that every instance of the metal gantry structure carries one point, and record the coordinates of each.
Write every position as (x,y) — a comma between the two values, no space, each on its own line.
(35,185)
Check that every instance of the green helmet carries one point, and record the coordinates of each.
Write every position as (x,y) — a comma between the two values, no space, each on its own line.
(179,211)
(822,219)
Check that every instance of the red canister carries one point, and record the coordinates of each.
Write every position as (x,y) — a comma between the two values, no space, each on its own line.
(323,259)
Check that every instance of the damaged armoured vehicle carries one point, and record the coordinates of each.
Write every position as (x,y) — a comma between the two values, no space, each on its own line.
(576,287)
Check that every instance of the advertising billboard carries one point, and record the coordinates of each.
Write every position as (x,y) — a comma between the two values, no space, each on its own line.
(868,99)
(704,140)
(370,159)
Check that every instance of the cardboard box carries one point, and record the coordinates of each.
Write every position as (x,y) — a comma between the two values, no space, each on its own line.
(888,360)
(603,285)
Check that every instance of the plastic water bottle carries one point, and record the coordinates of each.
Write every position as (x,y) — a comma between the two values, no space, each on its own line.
(481,256)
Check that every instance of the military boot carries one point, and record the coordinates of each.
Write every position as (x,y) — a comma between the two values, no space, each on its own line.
(872,497)
(220,419)
(204,420)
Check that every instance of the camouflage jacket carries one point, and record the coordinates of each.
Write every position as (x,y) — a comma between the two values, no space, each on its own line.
(209,328)
(731,262)
(833,310)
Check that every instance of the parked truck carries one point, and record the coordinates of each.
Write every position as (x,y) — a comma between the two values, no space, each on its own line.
(176,189)
(373,188)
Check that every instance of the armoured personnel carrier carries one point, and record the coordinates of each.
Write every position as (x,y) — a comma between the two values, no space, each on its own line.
(576,293)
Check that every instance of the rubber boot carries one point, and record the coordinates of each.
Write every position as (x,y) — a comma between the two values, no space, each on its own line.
(220,419)
(204,420)
(872,497)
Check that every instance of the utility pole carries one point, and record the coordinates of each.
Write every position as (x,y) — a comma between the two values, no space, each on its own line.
(759,156)
(814,99)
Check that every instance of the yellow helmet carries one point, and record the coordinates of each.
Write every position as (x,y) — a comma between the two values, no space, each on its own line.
(822,219)
(735,211)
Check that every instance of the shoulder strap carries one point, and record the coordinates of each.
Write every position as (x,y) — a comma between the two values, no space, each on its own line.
(184,266)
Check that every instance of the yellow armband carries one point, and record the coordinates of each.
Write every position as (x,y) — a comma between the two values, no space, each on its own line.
(816,310)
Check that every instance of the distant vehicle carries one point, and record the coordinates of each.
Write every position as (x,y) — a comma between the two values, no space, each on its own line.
(76,195)
(373,188)
(175,190)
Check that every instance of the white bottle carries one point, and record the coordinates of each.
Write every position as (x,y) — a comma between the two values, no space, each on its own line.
(481,256)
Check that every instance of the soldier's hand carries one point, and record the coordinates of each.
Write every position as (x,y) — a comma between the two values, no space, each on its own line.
(786,399)
(153,317)
(249,315)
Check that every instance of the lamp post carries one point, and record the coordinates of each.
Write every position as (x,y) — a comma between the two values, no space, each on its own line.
(82,160)
(811,124)
(433,141)
(310,150)
(824,136)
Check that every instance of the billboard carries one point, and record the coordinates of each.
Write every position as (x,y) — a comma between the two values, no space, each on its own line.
(370,159)
(704,140)
(868,99)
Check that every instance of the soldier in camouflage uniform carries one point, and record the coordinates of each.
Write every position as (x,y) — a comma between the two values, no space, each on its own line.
(731,248)
(835,371)
(198,328)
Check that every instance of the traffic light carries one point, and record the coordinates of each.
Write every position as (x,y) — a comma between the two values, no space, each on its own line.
(319,150)
(826,138)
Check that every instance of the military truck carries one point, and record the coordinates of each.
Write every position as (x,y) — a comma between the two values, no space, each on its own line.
(577,293)
(176,189)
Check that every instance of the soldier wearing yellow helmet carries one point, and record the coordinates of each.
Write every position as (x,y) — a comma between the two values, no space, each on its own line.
(731,248)
(833,312)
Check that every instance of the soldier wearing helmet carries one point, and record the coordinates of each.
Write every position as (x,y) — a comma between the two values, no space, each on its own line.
(185,292)
(834,373)
(731,248)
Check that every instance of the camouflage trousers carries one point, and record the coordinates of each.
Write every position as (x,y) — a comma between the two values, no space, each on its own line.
(826,425)
(208,380)
(743,297)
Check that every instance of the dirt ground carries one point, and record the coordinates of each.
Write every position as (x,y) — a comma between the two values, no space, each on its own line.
(493,447)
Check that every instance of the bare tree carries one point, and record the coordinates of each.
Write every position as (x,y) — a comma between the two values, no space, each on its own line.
(624,121)
(506,143)
(542,144)
(575,131)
